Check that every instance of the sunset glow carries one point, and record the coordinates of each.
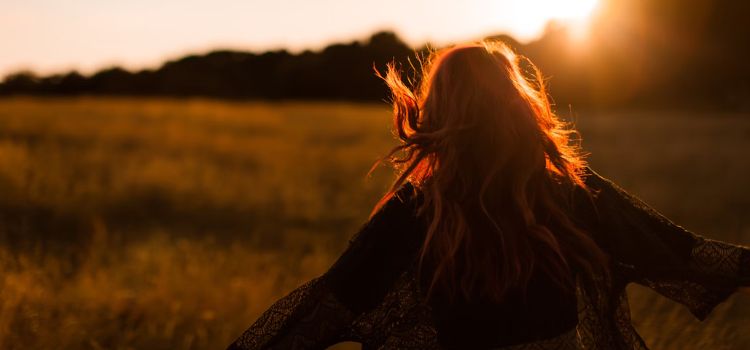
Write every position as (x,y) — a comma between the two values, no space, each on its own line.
(531,16)
(49,36)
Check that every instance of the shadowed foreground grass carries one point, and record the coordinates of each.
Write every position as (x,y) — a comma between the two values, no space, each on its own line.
(171,224)
(160,293)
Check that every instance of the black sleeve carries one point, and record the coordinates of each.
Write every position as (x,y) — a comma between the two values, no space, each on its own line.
(320,313)
(693,270)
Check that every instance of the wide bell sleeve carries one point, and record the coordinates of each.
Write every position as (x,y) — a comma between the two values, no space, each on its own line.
(321,312)
(693,270)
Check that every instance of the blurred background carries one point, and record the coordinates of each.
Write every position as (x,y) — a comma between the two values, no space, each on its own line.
(168,169)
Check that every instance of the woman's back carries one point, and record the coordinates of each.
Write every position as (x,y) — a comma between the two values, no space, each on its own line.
(373,294)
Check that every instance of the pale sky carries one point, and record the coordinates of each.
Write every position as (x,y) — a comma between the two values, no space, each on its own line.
(49,36)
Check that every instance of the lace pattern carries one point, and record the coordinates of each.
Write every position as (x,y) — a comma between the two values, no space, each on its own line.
(718,258)
(717,270)
(311,318)
(307,318)
(700,273)
(401,321)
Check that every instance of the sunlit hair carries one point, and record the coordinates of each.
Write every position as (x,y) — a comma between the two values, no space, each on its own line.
(497,170)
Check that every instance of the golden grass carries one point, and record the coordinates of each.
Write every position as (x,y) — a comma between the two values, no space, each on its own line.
(171,224)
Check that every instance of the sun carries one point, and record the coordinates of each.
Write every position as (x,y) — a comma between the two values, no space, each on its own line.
(576,10)
(529,17)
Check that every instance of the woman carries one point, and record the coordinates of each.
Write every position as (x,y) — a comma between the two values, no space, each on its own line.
(495,233)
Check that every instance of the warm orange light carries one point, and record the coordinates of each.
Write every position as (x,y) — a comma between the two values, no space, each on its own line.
(531,16)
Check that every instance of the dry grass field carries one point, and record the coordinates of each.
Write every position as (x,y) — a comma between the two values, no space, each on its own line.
(171,224)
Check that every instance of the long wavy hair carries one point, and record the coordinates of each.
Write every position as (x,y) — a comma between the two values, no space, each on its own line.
(497,170)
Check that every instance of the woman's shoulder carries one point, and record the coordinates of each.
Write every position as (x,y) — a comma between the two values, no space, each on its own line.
(402,204)
(599,192)
(596,182)
(407,193)
(607,196)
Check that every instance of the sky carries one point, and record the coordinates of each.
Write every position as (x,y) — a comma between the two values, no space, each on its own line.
(53,36)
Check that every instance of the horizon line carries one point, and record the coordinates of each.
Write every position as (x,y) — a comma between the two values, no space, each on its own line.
(220,47)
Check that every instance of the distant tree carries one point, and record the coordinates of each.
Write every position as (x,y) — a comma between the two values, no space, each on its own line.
(19,82)
(72,83)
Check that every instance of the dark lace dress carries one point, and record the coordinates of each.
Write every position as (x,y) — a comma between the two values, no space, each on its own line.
(372,295)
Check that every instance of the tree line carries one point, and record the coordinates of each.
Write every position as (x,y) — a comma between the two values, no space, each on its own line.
(639,54)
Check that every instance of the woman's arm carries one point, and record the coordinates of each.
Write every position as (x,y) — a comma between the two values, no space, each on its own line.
(688,268)
(321,312)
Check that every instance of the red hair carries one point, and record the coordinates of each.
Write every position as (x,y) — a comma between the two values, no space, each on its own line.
(497,170)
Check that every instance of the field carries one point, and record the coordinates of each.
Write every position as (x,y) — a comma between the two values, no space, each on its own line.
(171,224)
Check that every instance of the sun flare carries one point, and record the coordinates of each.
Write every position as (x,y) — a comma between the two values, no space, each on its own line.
(529,17)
